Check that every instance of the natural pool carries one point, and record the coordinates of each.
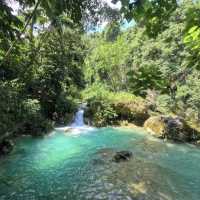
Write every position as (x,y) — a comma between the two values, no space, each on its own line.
(78,166)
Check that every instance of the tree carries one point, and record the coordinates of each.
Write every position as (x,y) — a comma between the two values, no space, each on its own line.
(112,31)
(153,15)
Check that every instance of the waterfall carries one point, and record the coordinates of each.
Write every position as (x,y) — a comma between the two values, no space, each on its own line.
(78,126)
(79,118)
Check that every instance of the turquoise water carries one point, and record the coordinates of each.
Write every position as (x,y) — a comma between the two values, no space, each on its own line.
(78,166)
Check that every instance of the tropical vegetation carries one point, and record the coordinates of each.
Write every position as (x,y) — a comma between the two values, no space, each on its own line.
(51,60)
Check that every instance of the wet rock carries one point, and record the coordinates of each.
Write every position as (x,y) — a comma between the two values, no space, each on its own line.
(172,128)
(197,143)
(107,155)
(122,156)
(6,146)
(155,126)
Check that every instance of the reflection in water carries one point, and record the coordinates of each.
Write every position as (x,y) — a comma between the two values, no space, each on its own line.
(78,168)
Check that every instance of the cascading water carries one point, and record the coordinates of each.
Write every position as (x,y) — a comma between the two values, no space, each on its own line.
(78,126)
(79,119)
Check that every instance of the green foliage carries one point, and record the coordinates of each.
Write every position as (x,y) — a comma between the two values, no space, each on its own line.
(135,63)
(76,9)
(192,36)
(151,14)
(112,31)
(100,111)
(192,39)
(109,108)
(164,104)
(59,75)
(9,24)
(20,115)
(188,97)
(9,103)
(162,60)
(40,81)
(34,122)
(107,63)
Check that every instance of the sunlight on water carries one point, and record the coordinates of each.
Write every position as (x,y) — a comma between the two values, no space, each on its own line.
(48,157)
(71,166)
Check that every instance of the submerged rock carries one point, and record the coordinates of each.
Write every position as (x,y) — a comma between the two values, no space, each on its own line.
(172,128)
(110,155)
(6,146)
(122,156)
(106,152)
(103,156)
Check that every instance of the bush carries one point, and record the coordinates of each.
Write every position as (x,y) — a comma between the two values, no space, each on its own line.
(34,122)
(109,108)
(164,104)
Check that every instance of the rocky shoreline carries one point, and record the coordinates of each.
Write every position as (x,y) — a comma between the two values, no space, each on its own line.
(163,127)
(169,128)
(138,113)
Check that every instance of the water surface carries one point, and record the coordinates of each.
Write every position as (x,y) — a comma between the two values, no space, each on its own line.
(78,165)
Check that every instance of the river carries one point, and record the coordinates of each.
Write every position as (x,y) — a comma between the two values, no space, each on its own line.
(76,164)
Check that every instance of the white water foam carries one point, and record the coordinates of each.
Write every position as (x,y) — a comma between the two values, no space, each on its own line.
(78,126)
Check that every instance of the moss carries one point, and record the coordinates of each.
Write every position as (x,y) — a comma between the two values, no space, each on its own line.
(133,110)
(155,126)
(172,128)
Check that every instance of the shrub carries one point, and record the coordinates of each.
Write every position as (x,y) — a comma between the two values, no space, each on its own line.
(34,122)
(108,108)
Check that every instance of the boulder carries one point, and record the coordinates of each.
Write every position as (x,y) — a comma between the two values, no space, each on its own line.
(132,111)
(155,126)
(172,128)
(122,156)
(6,146)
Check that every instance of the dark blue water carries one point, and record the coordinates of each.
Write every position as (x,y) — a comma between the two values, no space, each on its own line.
(78,166)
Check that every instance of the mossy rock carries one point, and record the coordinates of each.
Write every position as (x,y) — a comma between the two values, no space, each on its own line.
(132,111)
(155,126)
(104,112)
(172,128)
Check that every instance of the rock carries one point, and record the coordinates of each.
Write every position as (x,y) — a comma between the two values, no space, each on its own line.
(156,126)
(172,128)
(103,156)
(132,111)
(6,146)
(198,142)
(107,155)
(125,107)
(122,156)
